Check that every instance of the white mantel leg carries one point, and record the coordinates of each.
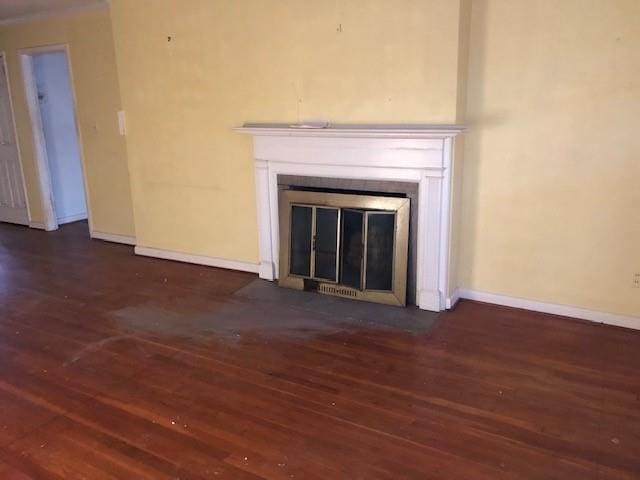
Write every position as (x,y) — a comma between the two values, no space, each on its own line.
(267,267)
(428,294)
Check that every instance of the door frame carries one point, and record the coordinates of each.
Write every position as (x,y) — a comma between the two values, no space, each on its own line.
(3,55)
(40,149)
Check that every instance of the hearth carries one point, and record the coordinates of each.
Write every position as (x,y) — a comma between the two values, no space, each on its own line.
(345,244)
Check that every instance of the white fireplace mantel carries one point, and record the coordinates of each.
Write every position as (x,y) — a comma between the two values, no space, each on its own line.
(421,154)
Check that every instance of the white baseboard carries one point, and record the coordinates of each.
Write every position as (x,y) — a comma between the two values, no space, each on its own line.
(552,308)
(37,225)
(197,259)
(72,218)
(112,237)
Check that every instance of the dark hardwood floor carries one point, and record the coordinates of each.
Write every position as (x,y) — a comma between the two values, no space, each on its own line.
(113,366)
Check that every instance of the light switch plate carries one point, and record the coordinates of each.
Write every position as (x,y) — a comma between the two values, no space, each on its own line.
(122,122)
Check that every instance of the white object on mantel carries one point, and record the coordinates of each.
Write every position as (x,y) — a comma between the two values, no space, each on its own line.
(421,154)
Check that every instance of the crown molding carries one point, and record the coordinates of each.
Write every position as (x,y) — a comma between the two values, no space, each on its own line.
(61,12)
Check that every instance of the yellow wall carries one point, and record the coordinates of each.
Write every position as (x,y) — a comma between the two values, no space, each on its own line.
(455,238)
(551,206)
(92,57)
(254,60)
(550,94)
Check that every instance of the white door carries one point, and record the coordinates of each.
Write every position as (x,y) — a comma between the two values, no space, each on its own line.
(13,205)
(55,98)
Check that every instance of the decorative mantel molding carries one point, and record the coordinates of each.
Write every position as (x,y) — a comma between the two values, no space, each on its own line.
(353,130)
(421,154)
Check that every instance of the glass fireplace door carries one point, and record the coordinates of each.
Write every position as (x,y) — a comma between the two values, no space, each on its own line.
(380,233)
(301,240)
(347,245)
(326,240)
(352,248)
(315,241)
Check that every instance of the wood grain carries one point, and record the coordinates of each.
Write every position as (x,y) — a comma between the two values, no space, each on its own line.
(489,393)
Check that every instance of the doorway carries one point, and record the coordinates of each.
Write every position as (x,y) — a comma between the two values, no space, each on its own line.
(51,101)
(13,200)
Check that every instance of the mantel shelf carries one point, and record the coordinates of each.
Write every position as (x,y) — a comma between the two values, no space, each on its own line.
(400,131)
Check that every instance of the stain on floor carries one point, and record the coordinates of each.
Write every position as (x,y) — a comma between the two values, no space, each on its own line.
(265,309)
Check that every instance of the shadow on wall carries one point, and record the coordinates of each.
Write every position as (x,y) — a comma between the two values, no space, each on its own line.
(473,137)
(477,119)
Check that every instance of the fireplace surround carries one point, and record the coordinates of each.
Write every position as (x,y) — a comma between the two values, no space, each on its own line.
(419,154)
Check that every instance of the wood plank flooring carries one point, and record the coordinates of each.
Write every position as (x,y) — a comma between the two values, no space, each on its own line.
(105,374)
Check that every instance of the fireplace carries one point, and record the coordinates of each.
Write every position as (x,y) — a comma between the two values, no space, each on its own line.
(419,155)
(344,244)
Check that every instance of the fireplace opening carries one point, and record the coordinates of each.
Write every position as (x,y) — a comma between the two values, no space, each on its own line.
(345,244)
(348,191)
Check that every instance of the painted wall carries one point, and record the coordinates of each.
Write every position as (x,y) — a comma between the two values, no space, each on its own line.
(58,124)
(455,233)
(94,76)
(188,74)
(551,180)
(549,196)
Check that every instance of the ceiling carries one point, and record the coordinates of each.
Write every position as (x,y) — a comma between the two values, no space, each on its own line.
(18,9)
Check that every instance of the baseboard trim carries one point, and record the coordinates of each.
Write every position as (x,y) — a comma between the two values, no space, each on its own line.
(543,307)
(197,259)
(37,225)
(113,237)
(72,218)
